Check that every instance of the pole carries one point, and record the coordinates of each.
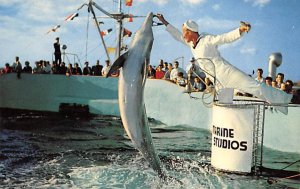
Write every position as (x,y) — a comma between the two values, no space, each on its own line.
(119,33)
(98,27)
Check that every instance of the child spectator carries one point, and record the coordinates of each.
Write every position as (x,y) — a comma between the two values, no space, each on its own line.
(180,79)
(198,85)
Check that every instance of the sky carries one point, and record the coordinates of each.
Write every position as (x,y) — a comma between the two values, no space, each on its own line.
(275,28)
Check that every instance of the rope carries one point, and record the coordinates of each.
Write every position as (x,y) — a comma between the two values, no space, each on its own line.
(209,89)
(87,35)
(271,180)
(101,54)
(290,164)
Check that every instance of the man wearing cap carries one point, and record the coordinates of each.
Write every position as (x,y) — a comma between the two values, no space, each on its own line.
(205,50)
(57,53)
(193,70)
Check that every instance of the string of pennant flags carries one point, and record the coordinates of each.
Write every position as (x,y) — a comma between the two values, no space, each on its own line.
(71,17)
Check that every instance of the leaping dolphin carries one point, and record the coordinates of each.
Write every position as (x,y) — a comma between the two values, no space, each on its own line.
(132,81)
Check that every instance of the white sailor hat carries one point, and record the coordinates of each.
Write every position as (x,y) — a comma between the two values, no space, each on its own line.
(191,25)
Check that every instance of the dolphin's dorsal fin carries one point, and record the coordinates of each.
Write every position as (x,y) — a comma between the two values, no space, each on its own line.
(117,64)
(144,71)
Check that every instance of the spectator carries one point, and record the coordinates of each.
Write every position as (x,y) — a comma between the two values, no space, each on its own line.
(208,84)
(165,67)
(282,87)
(62,69)
(198,85)
(279,79)
(151,72)
(159,73)
(193,70)
(289,87)
(274,84)
(176,70)
(161,63)
(17,67)
(38,67)
(54,68)
(70,70)
(180,80)
(268,81)
(106,68)
(97,69)
(168,72)
(46,67)
(7,68)
(259,75)
(57,52)
(87,70)
(27,68)
(77,69)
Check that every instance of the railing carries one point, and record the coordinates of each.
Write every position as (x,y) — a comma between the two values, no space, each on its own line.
(258,132)
(66,57)
(258,136)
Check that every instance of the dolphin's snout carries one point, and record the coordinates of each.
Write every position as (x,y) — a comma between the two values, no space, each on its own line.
(149,20)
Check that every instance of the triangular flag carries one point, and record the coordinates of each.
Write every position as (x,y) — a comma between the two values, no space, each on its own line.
(71,17)
(126,33)
(130,18)
(128,2)
(54,29)
(111,49)
(105,32)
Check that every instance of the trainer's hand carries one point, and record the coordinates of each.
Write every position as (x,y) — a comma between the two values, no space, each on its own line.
(162,19)
(245,27)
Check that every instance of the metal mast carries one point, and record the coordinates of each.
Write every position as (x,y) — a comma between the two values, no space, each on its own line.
(98,26)
(118,17)
(119,32)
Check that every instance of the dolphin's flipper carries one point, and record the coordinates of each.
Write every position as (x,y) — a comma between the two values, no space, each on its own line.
(117,64)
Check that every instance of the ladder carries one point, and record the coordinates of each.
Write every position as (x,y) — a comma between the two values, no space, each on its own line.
(258,136)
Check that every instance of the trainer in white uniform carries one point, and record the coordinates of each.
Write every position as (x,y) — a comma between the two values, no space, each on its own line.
(206,46)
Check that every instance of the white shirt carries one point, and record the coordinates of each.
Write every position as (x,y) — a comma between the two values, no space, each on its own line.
(262,80)
(175,71)
(105,70)
(47,69)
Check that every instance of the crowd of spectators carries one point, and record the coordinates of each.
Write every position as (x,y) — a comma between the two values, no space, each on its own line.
(44,67)
(278,83)
(192,75)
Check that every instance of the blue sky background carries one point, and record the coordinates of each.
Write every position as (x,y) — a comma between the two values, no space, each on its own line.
(275,28)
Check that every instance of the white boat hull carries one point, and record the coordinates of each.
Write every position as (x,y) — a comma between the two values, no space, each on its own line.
(165,102)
